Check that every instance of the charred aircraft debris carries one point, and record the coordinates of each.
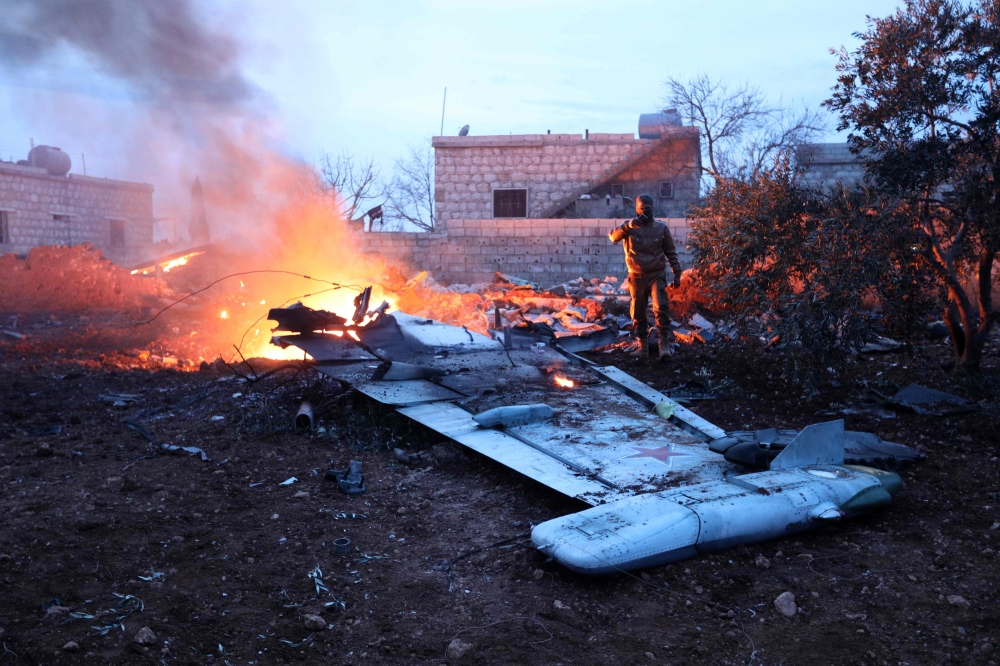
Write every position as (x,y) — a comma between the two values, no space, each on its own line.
(663,483)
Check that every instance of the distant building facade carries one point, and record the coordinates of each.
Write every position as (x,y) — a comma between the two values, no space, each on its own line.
(39,208)
(542,176)
(540,206)
(823,165)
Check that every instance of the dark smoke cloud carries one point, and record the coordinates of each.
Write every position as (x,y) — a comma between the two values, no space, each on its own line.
(158,47)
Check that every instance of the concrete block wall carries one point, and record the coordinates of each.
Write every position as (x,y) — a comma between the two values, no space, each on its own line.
(549,251)
(31,198)
(552,167)
(823,165)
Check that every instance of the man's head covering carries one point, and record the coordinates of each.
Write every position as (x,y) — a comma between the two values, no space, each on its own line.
(646,199)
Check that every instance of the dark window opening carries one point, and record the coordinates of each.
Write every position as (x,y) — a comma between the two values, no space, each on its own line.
(617,190)
(117,228)
(510,203)
(64,224)
(666,190)
(4,226)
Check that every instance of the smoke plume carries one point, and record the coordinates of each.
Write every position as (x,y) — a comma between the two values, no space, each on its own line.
(200,116)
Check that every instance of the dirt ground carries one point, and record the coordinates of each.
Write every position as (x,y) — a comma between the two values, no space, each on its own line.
(214,556)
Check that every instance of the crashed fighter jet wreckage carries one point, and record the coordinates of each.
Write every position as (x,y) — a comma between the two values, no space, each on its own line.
(664,484)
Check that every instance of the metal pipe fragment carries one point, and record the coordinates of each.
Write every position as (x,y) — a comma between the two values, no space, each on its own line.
(304,417)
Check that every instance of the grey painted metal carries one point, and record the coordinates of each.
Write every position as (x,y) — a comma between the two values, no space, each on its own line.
(457,424)
(651,125)
(434,334)
(569,463)
(657,528)
(682,416)
(53,160)
(407,393)
(513,415)
(395,371)
(820,443)
(326,347)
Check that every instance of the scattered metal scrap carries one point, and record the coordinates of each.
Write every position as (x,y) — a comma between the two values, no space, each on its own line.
(759,448)
(926,401)
(660,492)
(350,481)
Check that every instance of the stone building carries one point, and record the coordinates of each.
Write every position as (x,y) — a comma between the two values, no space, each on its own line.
(540,206)
(38,207)
(824,165)
(543,176)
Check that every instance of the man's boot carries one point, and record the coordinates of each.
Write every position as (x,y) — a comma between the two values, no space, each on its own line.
(666,346)
(641,349)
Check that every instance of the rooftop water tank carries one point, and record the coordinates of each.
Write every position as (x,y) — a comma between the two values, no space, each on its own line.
(53,160)
(651,124)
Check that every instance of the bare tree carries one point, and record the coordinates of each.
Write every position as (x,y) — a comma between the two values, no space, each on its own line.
(411,196)
(742,132)
(357,185)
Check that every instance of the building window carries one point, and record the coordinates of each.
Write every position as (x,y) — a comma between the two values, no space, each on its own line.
(666,190)
(63,226)
(117,229)
(4,226)
(617,191)
(510,203)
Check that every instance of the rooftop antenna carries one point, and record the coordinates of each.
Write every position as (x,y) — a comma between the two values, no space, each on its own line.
(83,157)
(443,102)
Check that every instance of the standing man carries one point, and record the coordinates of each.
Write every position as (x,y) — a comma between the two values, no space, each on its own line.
(648,248)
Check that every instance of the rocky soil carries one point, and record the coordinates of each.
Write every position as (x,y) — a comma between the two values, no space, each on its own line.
(112,551)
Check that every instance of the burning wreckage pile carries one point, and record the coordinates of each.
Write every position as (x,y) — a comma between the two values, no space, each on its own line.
(580,314)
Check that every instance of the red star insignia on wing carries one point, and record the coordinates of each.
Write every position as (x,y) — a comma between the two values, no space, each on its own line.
(664,453)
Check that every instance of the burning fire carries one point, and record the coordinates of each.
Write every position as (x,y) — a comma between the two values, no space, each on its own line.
(564,382)
(340,301)
(223,315)
(166,266)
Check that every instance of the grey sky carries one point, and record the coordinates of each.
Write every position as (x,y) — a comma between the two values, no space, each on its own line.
(368,77)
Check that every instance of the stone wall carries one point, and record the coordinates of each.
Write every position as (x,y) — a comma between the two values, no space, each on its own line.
(32,200)
(823,165)
(548,251)
(557,168)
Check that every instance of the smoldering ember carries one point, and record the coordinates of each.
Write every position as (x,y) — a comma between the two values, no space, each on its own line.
(715,387)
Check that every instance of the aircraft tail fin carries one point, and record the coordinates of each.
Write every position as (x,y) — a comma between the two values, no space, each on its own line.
(818,444)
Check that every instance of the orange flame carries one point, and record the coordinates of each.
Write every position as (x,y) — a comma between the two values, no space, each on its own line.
(166,266)
(564,382)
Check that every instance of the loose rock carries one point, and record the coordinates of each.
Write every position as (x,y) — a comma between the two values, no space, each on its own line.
(145,636)
(762,562)
(785,603)
(71,647)
(314,622)
(458,649)
(956,600)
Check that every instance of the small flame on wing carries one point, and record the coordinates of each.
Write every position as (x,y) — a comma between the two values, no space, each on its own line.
(564,382)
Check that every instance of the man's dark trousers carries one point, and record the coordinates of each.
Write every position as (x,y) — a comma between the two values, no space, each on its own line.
(641,287)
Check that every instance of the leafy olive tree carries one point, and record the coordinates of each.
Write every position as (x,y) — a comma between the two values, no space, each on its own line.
(921,98)
(797,264)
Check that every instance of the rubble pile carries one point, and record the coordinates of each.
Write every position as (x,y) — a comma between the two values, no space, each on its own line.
(67,279)
(579,307)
